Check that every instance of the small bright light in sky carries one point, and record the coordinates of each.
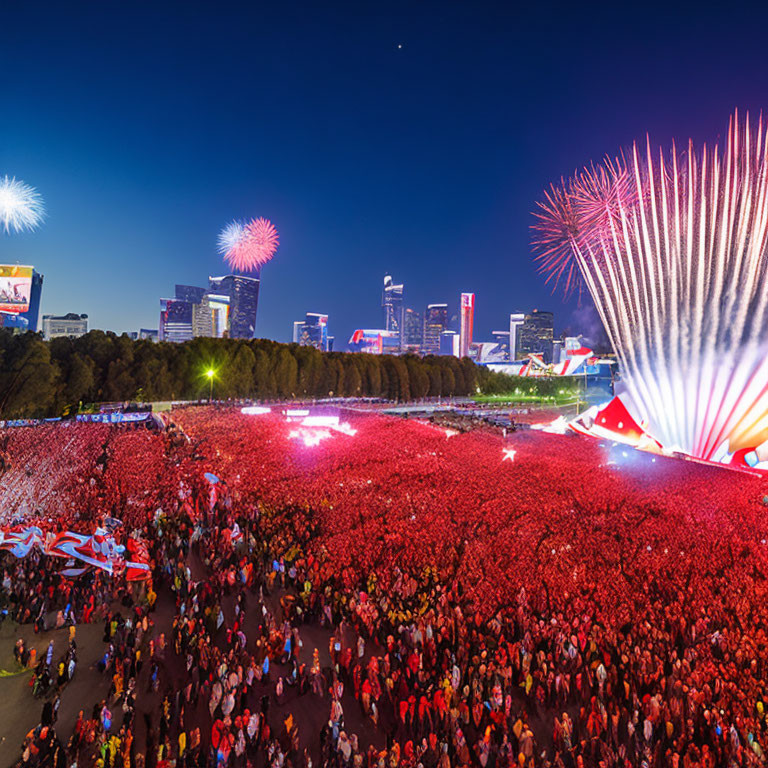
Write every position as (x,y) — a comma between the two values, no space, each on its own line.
(399,45)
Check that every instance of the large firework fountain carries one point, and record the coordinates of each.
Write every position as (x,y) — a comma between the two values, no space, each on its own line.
(672,248)
(247,246)
(21,207)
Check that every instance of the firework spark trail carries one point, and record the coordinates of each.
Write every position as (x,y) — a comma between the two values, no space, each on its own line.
(21,207)
(673,251)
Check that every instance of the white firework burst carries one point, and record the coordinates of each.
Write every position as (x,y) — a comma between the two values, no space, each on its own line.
(678,270)
(231,237)
(21,206)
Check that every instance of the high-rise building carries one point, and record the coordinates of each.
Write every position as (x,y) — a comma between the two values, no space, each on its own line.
(175,320)
(411,335)
(435,322)
(536,334)
(71,325)
(516,320)
(314,331)
(243,293)
(218,305)
(450,343)
(148,333)
(202,317)
(191,293)
(297,326)
(392,305)
(467,320)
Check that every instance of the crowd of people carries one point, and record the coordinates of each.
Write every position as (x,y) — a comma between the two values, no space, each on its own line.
(469,602)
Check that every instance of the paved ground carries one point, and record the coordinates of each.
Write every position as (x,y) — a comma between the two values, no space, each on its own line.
(20,711)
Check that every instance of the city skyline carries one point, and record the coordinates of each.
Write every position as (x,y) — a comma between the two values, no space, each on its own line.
(142,159)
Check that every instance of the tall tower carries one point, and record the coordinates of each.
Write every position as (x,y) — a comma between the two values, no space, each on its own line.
(516,319)
(392,306)
(536,334)
(435,322)
(243,295)
(467,322)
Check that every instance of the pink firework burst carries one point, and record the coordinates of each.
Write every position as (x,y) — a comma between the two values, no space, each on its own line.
(247,247)
(601,193)
(556,236)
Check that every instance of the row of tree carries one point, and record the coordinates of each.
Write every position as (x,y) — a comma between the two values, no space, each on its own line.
(39,378)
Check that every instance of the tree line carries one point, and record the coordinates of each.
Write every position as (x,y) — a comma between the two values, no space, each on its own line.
(39,378)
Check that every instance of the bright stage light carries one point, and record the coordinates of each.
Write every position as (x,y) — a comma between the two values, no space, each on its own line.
(255,410)
(296,413)
(310,437)
(315,428)
(320,421)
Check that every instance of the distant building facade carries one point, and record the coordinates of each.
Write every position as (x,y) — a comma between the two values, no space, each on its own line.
(392,305)
(191,293)
(467,321)
(202,318)
(374,341)
(313,332)
(243,294)
(516,320)
(411,336)
(450,343)
(175,320)
(70,325)
(435,322)
(536,334)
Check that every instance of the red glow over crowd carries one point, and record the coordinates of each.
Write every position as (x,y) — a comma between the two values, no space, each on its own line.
(488,601)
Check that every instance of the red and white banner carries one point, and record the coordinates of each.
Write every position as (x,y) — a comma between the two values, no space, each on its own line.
(99,550)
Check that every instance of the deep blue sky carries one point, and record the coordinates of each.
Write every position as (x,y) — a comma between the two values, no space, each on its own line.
(148,125)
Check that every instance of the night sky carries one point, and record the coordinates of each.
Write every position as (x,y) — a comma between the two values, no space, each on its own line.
(147,126)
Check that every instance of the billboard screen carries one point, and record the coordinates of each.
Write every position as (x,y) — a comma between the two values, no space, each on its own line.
(15,288)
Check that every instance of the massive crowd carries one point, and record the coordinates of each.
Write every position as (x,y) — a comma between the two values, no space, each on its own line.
(536,606)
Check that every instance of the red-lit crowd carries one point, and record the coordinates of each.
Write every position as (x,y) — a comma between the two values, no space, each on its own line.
(549,610)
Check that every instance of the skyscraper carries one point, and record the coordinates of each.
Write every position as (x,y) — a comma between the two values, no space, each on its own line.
(191,293)
(450,343)
(243,293)
(218,304)
(175,320)
(392,305)
(536,334)
(435,322)
(467,320)
(411,336)
(516,320)
(202,317)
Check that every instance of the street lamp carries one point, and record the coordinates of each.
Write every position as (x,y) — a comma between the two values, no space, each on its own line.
(210,373)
